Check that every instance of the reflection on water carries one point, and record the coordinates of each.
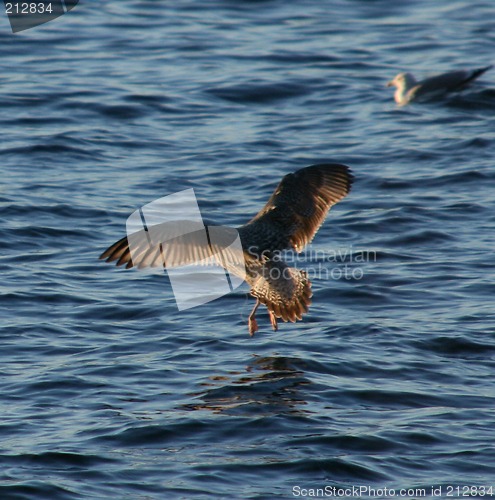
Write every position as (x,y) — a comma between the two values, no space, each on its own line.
(270,385)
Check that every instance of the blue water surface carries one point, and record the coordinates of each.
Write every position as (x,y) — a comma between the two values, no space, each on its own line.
(108,391)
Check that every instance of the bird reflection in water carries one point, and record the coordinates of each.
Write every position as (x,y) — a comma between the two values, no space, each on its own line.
(270,385)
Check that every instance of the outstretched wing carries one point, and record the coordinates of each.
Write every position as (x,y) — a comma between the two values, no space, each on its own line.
(211,245)
(145,254)
(297,208)
(284,290)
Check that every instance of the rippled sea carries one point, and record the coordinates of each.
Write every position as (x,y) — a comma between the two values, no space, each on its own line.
(108,391)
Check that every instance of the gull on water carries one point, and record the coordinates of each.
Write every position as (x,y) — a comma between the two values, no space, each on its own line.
(409,89)
(289,220)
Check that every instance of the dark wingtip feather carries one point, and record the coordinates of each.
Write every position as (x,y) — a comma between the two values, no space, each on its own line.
(119,252)
(476,73)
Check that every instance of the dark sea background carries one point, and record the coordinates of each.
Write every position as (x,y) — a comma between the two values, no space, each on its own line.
(108,391)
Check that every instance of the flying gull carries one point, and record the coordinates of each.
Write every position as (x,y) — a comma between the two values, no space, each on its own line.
(409,89)
(289,220)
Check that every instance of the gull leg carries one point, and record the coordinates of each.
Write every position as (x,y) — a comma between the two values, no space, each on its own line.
(273,320)
(252,323)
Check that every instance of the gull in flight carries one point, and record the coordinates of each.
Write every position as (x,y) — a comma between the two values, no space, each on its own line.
(289,220)
(409,89)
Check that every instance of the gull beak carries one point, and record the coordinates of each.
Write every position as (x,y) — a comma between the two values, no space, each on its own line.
(390,83)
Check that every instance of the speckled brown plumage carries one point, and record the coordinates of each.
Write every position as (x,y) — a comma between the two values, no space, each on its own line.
(289,220)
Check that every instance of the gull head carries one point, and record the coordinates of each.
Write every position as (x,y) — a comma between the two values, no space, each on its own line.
(404,82)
